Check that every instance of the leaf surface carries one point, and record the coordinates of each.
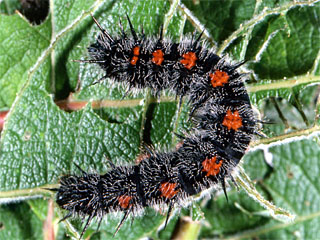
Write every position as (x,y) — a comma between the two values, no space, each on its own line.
(40,142)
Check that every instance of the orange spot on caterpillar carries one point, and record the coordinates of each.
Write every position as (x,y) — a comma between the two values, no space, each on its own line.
(211,166)
(167,189)
(189,60)
(157,57)
(218,78)
(134,60)
(124,201)
(136,53)
(232,120)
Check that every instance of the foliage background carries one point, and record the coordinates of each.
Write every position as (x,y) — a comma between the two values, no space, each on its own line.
(40,141)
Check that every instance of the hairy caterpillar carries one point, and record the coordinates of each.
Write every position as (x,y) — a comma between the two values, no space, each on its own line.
(223,126)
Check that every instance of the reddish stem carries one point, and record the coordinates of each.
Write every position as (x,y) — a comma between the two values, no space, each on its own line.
(3,115)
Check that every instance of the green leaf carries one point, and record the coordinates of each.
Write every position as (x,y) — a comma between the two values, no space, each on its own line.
(40,142)
(9,6)
(18,54)
(18,221)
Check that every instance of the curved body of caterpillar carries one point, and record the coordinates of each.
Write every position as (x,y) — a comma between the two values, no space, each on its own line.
(224,124)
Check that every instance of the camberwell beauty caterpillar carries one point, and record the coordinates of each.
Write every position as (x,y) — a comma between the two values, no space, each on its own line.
(223,127)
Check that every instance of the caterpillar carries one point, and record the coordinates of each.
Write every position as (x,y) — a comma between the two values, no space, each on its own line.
(220,111)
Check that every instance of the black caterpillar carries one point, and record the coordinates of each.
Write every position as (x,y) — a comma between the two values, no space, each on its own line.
(223,121)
